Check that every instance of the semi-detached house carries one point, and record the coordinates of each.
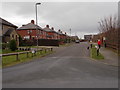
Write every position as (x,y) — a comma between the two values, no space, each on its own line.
(8,32)
(51,33)
(31,31)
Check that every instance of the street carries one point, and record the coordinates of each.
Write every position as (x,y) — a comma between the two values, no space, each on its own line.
(68,67)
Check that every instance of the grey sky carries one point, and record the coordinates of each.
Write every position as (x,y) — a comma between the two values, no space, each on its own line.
(81,17)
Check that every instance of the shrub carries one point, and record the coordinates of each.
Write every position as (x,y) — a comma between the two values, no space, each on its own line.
(13,45)
(5,45)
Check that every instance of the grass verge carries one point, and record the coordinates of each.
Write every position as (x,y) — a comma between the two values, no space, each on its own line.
(93,52)
(9,51)
(65,45)
(11,60)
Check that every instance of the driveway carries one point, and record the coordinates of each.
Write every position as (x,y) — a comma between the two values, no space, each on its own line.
(69,67)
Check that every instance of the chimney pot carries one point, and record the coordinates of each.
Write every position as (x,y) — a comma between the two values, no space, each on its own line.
(32,21)
(23,25)
(59,30)
(52,28)
(47,26)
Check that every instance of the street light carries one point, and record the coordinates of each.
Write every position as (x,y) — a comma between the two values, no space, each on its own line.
(36,21)
(70,34)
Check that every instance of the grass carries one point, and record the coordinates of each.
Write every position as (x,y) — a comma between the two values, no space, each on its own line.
(11,60)
(29,46)
(65,45)
(0,51)
(93,52)
(9,51)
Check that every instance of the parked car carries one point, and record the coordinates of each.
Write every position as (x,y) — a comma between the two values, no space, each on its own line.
(77,41)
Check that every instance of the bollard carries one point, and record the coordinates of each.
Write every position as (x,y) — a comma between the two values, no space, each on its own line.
(97,51)
(91,45)
(45,51)
(51,49)
(27,54)
(88,48)
(17,58)
(40,51)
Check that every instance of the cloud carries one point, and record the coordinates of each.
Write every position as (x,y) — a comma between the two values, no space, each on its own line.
(79,16)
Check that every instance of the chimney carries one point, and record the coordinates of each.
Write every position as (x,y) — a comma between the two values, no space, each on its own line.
(47,26)
(65,33)
(59,30)
(52,28)
(23,25)
(32,21)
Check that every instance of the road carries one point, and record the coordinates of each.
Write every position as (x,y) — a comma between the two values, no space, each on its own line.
(69,67)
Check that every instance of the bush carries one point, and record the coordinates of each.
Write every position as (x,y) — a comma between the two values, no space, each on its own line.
(13,45)
(5,45)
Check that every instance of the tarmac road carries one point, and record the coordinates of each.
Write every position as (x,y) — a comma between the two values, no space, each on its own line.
(69,67)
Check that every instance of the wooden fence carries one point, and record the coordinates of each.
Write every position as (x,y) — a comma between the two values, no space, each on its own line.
(27,53)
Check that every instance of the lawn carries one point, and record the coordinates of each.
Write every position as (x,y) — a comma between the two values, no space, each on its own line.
(65,45)
(93,52)
(0,51)
(11,60)
(9,51)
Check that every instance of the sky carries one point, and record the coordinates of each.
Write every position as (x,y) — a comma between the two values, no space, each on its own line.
(81,17)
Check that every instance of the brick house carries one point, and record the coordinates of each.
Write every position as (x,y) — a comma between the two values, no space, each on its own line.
(8,31)
(31,31)
(51,33)
(62,36)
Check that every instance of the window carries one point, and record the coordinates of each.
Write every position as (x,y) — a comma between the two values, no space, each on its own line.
(16,37)
(13,36)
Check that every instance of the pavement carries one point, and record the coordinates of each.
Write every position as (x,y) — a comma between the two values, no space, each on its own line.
(68,67)
(110,57)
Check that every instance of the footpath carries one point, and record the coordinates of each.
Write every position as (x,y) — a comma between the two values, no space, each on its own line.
(110,57)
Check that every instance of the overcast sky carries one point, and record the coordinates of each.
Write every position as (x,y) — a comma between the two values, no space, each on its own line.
(81,17)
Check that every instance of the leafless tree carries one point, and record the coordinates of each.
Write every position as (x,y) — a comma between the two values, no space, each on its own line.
(108,27)
(110,23)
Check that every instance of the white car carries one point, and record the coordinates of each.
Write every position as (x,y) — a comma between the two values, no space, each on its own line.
(77,41)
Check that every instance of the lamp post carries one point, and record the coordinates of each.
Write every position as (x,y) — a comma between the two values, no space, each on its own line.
(36,21)
(70,34)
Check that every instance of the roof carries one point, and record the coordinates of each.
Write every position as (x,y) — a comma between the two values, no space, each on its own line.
(49,30)
(9,32)
(30,26)
(60,32)
(4,22)
(75,37)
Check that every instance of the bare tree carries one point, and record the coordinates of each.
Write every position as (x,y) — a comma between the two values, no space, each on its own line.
(110,23)
(108,27)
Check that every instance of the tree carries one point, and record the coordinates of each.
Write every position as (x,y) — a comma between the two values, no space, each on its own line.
(110,23)
(13,45)
(108,28)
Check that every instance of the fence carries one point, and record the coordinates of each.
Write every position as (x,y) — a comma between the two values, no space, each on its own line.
(41,42)
(111,38)
(27,53)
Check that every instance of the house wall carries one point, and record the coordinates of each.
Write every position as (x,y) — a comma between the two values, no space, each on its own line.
(5,28)
(53,35)
(14,35)
(10,37)
(32,34)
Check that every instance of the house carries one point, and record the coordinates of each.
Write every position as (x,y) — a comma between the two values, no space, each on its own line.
(63,35)
(31,31)
(88,37)
(73,38)
(50,33)
(8,31)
